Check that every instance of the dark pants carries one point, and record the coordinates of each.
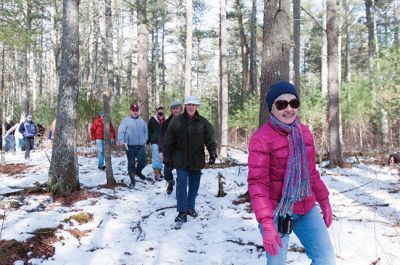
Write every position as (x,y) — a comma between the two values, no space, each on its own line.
(28,145)
(168,176)
(133,152)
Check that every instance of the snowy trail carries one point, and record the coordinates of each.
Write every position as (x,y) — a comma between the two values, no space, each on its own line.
(136,226)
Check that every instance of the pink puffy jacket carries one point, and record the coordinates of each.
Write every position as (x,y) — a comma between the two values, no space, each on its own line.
(268,155)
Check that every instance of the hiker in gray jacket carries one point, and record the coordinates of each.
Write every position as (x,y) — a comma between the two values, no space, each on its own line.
(132,134)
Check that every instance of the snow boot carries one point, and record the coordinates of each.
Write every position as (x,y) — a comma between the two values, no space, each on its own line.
(157,174)
(180,219)
(132,178)
(170,186)
(139,174)
(192,213)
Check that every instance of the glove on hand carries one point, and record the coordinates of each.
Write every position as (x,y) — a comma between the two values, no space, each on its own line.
(270,238)
(326,212)
(211,161)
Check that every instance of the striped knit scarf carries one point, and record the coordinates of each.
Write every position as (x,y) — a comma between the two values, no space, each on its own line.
(296,185)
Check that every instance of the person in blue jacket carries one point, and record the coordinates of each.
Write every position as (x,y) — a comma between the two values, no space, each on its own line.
(28,129)
(132,134)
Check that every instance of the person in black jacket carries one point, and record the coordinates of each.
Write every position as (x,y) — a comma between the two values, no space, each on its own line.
(183,149)
(176,109)
(153,127)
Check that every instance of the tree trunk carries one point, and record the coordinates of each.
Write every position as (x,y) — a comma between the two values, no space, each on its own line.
(335,151)
(347,76)
(244,50)
(385,130)
(223,81)
(189,40)
(276,48)
(253,48)
(108,88)
(3,111)
(396,25)
(143,60)
(371,30)
(163,84)
(296,37)
(64,171)
(324,55)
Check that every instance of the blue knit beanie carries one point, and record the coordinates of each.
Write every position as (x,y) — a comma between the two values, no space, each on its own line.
(279,88)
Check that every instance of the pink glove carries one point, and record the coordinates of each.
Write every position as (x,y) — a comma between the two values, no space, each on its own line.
(270,238)
(326,212)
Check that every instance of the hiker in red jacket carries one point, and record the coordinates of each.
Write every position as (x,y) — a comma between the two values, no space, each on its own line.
(97,137)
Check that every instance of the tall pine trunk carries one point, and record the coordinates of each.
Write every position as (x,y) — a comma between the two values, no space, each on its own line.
(64,171)
(335,150)
(143,60)
(108,88)
(276,48)
(296,37)
(189,40)
(223,76)
(347,65)
(324,54)
(244,51)
(253,48)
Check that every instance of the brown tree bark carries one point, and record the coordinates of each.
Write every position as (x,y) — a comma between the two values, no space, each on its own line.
(244,51)
(143,59)
(296,37)
(189,41)
(108,88)
(223,76)
(276,48)
(335,150)
(64,171)
(253,49)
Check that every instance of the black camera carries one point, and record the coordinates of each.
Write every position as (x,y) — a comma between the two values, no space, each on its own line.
(285,224)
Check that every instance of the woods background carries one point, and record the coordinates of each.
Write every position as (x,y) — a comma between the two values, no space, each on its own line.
(158,51)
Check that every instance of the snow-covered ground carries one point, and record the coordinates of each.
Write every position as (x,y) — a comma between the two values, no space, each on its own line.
(135,226)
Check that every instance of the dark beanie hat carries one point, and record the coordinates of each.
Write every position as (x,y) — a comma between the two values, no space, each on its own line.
(279,88)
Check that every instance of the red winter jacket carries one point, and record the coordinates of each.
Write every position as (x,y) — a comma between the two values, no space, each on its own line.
(97,130)
(268,155)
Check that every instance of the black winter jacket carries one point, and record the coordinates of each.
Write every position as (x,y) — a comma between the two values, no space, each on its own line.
(184,142)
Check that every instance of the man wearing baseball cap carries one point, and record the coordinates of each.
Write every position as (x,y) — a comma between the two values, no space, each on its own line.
(183,149)
(132,134)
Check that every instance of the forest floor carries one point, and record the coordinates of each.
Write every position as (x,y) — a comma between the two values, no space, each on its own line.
(120,226)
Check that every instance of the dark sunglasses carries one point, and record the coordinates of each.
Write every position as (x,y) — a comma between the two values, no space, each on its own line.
(283,104)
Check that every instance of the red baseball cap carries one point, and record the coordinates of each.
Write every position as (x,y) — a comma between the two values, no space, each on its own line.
(134,107)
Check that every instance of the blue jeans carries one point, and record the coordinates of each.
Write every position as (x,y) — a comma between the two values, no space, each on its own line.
(313,235)
(155,157)
(19,144)
(133,152)
(187,199)
(100,153)
(10,144)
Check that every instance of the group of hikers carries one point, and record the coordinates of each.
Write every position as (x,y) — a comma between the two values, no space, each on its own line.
(177,142)
(20,134)
(283,182)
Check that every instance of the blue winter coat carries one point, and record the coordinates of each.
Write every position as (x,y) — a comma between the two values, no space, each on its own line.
(28,129)
(133,131)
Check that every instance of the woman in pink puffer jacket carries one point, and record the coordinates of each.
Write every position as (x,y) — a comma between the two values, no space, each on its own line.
(284,183)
